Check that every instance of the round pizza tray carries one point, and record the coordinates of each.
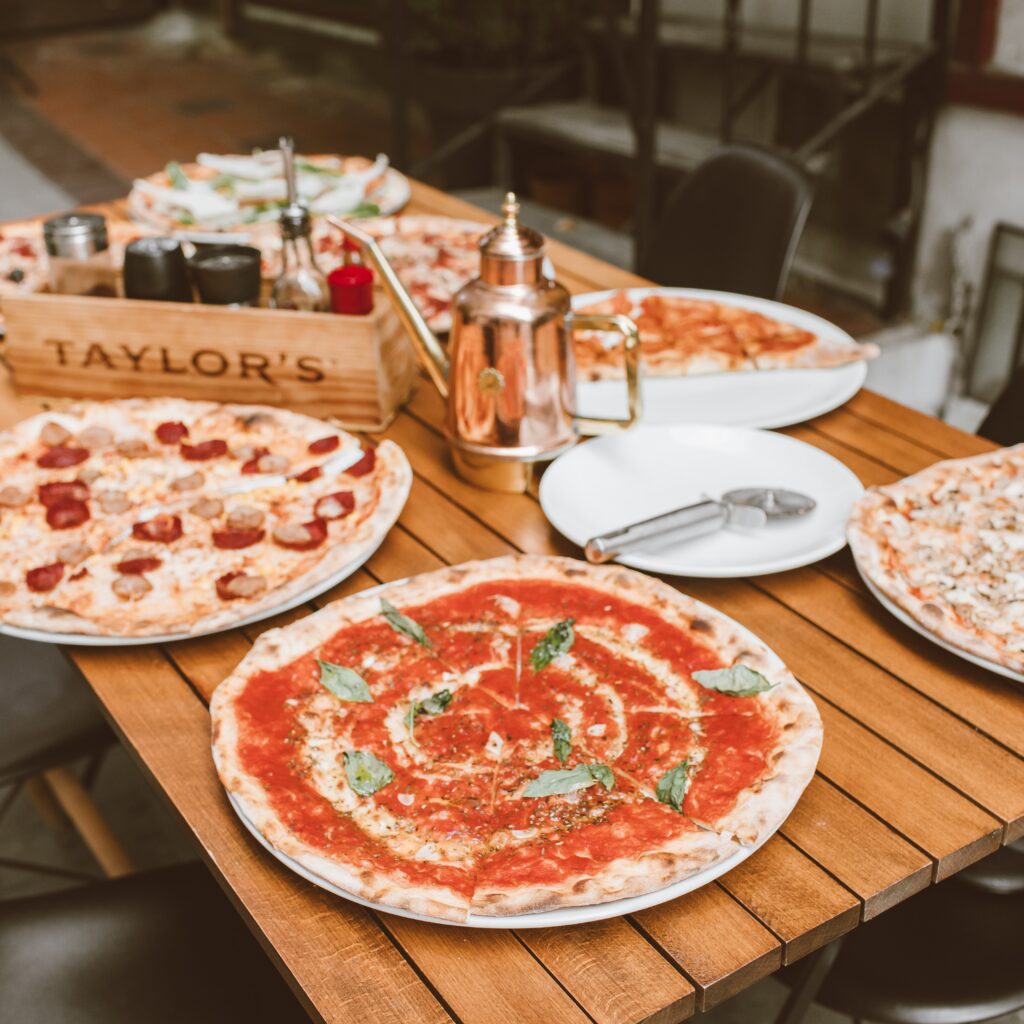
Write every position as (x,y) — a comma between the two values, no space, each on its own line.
(761,398)
(90,640)
(562,916)
(908,620)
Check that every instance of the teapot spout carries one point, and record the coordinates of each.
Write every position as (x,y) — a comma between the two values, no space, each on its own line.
(428,348)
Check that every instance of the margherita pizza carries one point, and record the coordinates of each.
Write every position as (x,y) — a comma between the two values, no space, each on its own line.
(947,546)
(163,516)
(511,736)
(683,336)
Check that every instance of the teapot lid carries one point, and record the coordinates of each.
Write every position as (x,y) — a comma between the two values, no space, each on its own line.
(509,243)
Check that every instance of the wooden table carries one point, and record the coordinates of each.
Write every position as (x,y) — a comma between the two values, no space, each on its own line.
(922,770)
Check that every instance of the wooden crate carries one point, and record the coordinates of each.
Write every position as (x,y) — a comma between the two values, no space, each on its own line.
(357,369)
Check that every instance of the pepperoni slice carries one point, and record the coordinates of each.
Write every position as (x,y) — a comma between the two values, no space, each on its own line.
(46,577)
(324,445)
(60,457)
(316,534)
(67,513)
(335,506)
(171,433)
(240,584)
(162,528)
(232,540)
(307,474)
(62,490)
(136,566)
(365,464)
(253,465)
(204,450)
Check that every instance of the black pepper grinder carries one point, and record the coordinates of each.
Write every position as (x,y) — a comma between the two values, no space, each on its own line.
(301,284)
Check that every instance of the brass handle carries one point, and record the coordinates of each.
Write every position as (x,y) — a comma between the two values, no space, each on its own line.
(631,339)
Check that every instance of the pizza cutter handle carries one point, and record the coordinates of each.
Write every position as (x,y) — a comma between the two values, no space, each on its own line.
(589,425)
(681,524)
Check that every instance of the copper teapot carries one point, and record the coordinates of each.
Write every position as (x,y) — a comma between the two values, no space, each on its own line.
(510,378)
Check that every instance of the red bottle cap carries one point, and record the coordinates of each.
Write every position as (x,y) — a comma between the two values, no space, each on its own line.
(351,289)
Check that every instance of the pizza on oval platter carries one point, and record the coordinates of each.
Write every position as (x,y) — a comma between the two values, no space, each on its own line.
(512,736)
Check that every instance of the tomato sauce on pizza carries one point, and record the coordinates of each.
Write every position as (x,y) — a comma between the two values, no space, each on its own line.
(512,736)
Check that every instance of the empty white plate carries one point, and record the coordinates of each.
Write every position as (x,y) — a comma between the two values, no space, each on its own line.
(622,478)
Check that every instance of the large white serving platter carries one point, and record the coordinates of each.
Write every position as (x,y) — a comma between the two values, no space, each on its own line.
(908,620)
(769,398)
(90,640)
(623,478)
(546,918)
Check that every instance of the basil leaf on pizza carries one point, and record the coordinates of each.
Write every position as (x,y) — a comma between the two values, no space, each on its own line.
(558,639)
(344,683)
(403,624)
(735,681)
(432,705)
(366,773)
(176,175)
(672,786)
(557,781)
(561,739)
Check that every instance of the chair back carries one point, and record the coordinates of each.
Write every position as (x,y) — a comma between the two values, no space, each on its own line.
(733,225)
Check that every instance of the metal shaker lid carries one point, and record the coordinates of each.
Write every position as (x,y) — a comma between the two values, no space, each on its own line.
(295,222)
(509,244)
(75,235)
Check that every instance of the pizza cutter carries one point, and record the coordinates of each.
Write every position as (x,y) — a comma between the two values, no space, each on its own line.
(746,507)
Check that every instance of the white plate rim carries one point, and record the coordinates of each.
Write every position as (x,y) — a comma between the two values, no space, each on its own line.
(562,916)
(656,565)
(853,375)
(908,620)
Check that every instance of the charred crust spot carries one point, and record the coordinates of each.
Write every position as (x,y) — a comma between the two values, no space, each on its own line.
(698,625)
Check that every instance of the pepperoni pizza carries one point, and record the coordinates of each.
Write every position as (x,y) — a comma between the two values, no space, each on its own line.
(146,517)
(682,335)
(512,736)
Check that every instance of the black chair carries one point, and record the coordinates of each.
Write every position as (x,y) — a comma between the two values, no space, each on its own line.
(161,946)
(49,719)
(1004,423)
(949,955)
(733,225)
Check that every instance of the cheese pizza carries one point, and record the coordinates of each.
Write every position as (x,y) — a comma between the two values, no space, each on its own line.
(947,546)
(682,335)
(164,516)
(510,736)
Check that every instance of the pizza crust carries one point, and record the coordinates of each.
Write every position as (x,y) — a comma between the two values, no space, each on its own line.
(756,815)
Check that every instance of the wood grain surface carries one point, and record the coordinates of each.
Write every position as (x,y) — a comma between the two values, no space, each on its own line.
(922,770)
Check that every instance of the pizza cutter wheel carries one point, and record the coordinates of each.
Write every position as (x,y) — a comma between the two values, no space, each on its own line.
(746,507)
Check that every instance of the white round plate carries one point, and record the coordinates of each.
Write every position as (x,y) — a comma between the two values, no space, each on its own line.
(622,478)
(908,620)
(89,640)
(545,918)
(768,398)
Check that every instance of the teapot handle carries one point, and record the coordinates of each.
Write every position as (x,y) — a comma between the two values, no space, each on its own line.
(631,337)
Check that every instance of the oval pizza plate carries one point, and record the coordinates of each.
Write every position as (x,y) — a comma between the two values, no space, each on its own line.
(547,918)
(908,620)
(766,398)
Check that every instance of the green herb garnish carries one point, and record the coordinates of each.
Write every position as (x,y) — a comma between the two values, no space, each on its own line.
(344,683)
(177,177)
(558,639)
(561,739)
(554,782)
(432,705)
(403,624)
(184,217)
(672,786)
(366,773)
(736,681)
